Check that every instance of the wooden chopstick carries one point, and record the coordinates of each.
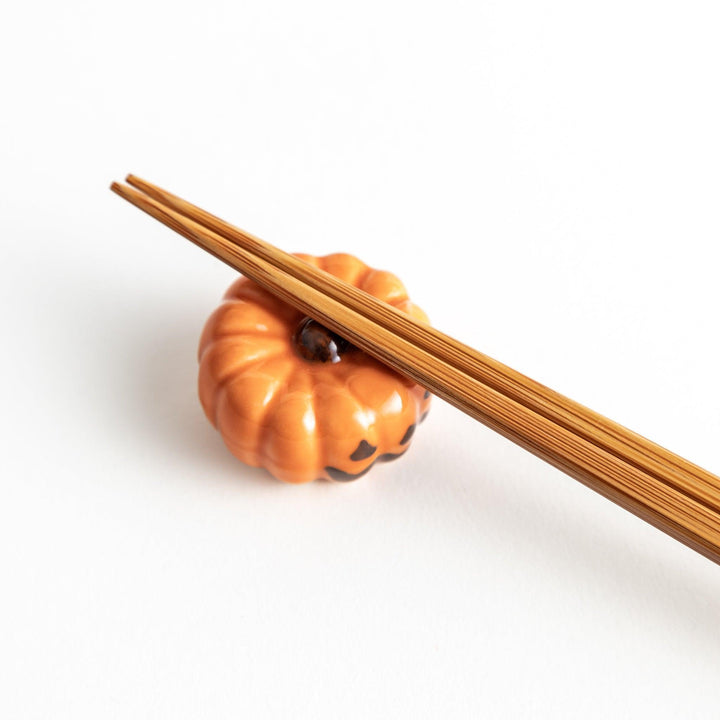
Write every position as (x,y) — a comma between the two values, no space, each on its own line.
(582,421)
(662,488)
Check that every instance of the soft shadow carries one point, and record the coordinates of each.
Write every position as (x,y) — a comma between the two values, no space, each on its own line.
(157,396)
(680,589)
(164,402)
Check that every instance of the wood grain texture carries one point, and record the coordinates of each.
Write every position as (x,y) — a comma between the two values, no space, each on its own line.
(664,489)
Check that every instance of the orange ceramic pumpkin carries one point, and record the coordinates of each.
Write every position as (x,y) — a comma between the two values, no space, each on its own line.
(288,395)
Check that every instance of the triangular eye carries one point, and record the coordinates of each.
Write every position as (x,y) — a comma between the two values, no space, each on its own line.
(363,451)
(408,434)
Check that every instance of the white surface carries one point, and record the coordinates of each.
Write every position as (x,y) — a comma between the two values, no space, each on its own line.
(544,176)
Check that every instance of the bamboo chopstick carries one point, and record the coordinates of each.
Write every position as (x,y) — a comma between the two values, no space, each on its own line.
(671,493)
(616,439)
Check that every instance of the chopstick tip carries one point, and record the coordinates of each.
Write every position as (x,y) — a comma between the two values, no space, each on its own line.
(135,181)
(123,191)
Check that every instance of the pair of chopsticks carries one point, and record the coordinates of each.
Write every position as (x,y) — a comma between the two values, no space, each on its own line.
(662,488)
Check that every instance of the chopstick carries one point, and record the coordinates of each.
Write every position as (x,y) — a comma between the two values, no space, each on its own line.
(673,494)
(618,440)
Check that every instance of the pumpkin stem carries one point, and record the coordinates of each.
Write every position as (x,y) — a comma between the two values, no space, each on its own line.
(315,343)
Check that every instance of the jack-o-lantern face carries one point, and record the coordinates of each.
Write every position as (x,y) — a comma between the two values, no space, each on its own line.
(289,395)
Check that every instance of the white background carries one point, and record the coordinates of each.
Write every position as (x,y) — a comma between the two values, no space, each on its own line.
(544,177)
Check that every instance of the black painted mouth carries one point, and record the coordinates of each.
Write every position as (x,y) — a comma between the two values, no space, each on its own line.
(343,476)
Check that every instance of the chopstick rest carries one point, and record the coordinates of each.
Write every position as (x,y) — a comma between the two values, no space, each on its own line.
(288,394)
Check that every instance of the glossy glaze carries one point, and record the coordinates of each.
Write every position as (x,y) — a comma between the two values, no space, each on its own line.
(288,395)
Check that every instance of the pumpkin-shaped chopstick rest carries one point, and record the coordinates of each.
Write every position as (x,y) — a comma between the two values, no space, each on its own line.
(289,395)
